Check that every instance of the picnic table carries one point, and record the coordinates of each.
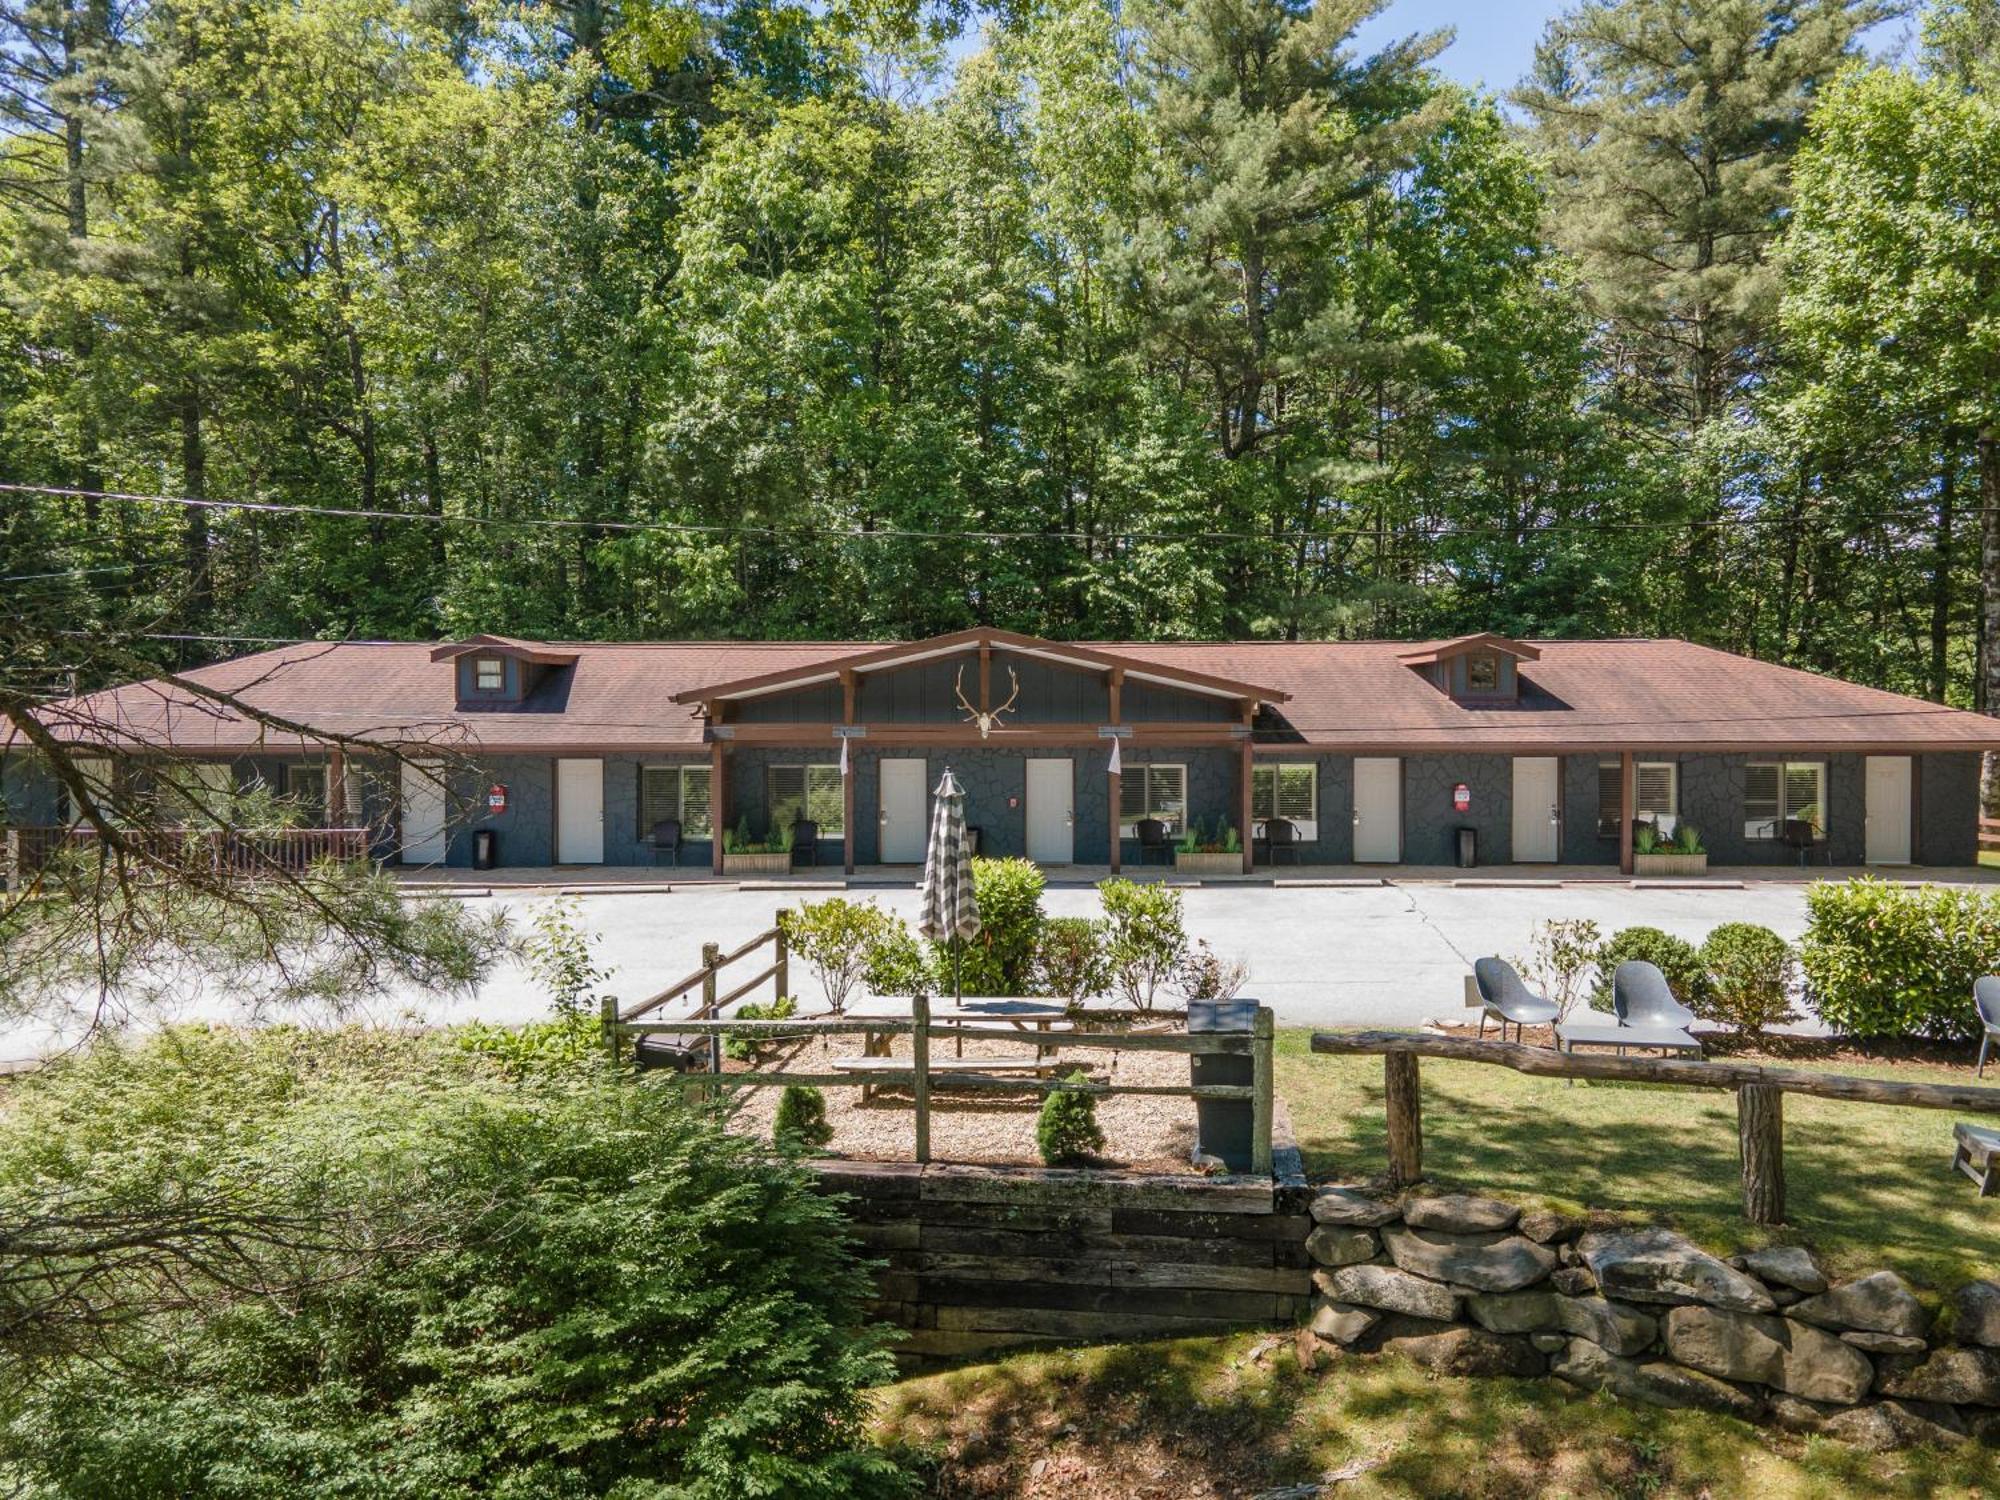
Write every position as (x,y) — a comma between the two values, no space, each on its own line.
(1573,1034)
(1026,1016)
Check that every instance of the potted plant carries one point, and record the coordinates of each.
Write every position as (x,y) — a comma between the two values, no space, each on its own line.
(742,855)
(1200,852)
(1680,855)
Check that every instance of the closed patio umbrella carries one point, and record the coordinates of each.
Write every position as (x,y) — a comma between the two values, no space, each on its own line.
(950,909)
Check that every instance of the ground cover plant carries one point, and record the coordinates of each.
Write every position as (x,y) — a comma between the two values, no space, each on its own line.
(291,1263)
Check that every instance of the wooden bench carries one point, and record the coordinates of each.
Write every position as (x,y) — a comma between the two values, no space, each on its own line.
(943,1070)
(1976,1153)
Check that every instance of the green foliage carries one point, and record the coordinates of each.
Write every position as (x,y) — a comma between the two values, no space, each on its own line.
(1205,974)
(1751,974)
(1687,840)
(1070,959)
(998,961)
(737,840)
(1200,839)
(1145,937)
(1561,958)
(1882,961)
(1675,957)
(801,1119)
(368,1263)
(846,942)
(558,954)
(746,1047)
(569,1041)
(1066,1131)
(1645,839)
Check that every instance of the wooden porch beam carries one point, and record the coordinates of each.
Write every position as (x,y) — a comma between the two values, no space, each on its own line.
(847,781)
(718,801)
(1037,736)
(1628,802)
(1117,786)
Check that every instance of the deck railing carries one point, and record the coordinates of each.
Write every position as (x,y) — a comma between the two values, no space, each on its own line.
(247,851)
(1759,1094)
(1989,833)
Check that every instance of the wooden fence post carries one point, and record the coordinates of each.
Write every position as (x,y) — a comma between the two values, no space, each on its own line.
(711,955)
(1262,1031)
(920,1071)
(781,959)
(1402,1097)
(607,1010)
(1760,1131)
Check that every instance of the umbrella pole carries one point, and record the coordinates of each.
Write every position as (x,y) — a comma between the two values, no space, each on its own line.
(957,986)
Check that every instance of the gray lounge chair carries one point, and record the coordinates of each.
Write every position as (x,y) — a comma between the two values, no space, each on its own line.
(1986,1000)
(1642,998)
(1508,999)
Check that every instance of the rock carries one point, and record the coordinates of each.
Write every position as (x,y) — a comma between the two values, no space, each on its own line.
(1463,1351)
(1796,1414)
(1624,1331)
(1968,1377)
(1895,1424)
(1459,1213)
(1785,1296)
(1340,1205)
(1484,1262)
(1787,1265)
(1342,1322)
(1768,1350)
(1549,1343)
(1513,1312)
(1545,1226)
(1657,1265)
(1883,1343)
(1392,1290)
(1657,1382)
(1877,1304)
(1573,1281)
(1332,1245)
(1975,1313)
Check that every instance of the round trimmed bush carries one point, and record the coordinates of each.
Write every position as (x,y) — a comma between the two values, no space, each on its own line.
(801,1118)
(1676,958)
(1068,1130)
(1751,972)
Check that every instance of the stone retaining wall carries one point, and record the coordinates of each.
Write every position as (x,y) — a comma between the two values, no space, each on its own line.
(1473,1286)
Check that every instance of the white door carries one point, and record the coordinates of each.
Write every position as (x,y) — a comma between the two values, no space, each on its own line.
(1888,810)
(1051,812)
(423,812)
(904,828)
(1378,810)
(579,812)
(1536,809)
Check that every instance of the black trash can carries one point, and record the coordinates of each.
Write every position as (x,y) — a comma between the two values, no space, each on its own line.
(485,849)
(1468,848)
(1222,1127)
(972,837)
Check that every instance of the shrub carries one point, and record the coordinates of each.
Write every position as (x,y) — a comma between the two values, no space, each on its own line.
(1751,971)
(801,1118)
(1205,974)
(1145,937)
(840,940)
(1880,960)
(1070,960)
(999,960)
(898,963)
(1067,1130)
(749,1046)
(1561,955)
(1675,957)
(369,1264)
(567,1042)
(558,954)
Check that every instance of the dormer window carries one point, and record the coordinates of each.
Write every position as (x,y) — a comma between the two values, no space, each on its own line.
(490,674)
(1482,672)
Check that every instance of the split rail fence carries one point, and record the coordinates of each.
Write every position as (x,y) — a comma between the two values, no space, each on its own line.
(1760,1093)
(708,979)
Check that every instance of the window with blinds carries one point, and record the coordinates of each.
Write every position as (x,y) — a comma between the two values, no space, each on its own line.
(1290,792)
(810,792)
(669,793)
(1778,792)
(1655,795)
(1152,792)
(305,789)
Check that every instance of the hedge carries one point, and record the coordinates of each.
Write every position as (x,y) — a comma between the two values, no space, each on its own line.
(1881,960)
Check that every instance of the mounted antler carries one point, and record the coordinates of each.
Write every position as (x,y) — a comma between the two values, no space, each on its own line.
(990,720)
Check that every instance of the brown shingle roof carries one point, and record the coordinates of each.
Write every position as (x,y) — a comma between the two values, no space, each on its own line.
(1358,696)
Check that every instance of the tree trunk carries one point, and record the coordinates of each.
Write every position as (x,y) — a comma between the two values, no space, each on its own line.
(1989,597)
(1941,574)
(1402,1097)
(1760,1130)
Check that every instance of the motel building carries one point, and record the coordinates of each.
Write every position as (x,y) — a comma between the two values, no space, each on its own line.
(1102,755)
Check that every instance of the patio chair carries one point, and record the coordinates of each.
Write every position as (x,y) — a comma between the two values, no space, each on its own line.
(1508,999)
(805,837)
(1986,1000)
(1797,833)
(666,839)
(1280,836)
(1153,840)
(1641,997)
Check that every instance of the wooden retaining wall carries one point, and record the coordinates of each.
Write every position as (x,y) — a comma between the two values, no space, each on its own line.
(984,1258)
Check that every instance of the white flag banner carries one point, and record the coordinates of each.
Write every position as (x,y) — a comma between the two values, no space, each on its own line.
(1117,764)
(843,757)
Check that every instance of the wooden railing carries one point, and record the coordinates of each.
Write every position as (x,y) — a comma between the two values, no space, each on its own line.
(1989,833)
(922,1031)
(708,979)
(247,851)
(1759,1093)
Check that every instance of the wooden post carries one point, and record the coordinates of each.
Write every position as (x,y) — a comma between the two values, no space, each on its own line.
(718,804)
(1261,1034)
(1117,690)
(1243,818)
(781,959)
(1402,1097)
(920,1071)
(847,781)
(1760,1131)
(1628,804)
(336,789)
(710,953)
(607,1011)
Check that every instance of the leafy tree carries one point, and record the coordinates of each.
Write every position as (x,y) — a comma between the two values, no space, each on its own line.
(1145,937)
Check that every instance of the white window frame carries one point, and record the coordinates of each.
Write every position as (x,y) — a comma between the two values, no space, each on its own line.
(834,828)
(1771,830)
(479,666)
(680,773)
(1664,821)
(1270,774)
(320,818)
(1490,658)
(1129,828)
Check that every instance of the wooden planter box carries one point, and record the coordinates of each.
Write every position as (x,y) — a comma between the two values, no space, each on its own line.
(757,865)
(1208,864)
(1669,864)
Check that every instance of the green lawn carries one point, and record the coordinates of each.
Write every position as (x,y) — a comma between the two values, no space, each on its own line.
(1869,1185)
(1235,1416)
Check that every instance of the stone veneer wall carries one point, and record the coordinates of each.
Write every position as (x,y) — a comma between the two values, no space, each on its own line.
(1477,1287)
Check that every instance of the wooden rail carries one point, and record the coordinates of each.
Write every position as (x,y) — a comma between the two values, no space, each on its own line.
(1759,1094)
(713,962)
(246,851)
(1989,833)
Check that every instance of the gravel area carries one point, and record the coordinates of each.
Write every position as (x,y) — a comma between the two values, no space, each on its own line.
(1144,1132)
